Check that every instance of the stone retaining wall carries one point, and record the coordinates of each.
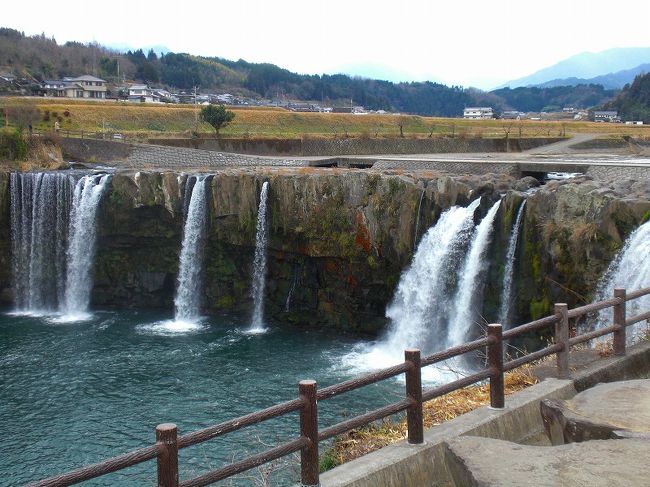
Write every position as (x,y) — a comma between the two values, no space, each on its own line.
(356,146)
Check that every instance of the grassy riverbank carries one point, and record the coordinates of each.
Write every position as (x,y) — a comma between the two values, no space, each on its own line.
(147,120)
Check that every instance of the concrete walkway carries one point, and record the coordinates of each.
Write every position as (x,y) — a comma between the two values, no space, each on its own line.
(486,462)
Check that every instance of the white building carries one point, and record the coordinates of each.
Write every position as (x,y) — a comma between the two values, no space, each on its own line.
(142,94)
(606,116)
(85,86)
(478,113)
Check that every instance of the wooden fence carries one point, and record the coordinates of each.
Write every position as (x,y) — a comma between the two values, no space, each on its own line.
(167,444)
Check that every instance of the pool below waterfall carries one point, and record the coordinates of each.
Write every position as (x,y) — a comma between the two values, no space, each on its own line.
(76,394)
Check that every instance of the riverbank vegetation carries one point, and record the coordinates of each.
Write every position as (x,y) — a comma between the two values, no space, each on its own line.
(359,442)
(156,120)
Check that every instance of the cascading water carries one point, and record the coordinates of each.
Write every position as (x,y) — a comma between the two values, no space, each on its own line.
(294,283)
(40,204)
(53,237)
(81,247)
(259,265)
(508,273)
(469,295)
(419,311)
(630,269)
(417,221)
(187,302)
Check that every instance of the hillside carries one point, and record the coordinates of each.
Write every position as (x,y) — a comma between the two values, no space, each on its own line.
(633,103)
(532,99)
(41,58)
(587,65)
(614,81)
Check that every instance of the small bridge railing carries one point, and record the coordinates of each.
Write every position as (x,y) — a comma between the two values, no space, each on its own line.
(167,444)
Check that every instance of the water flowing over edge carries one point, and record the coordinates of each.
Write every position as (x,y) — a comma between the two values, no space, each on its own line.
(469,295)
(53,234)
(187,302)
(418,311)
(81,247)
(508,274)
(259,265)
(630,269)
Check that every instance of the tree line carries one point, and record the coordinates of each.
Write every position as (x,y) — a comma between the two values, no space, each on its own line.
(42,58)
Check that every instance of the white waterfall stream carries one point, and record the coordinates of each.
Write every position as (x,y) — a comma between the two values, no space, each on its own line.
(469,295)
(259,265)
(187,302)
(505,303)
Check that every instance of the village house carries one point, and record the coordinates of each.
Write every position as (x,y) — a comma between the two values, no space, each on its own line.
(85,86)
(606,116)
(141,93)
(478,113)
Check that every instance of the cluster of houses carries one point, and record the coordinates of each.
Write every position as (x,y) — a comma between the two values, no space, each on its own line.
(91,87)
(567,113)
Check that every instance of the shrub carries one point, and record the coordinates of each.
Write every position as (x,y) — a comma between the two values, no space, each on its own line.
(13,146)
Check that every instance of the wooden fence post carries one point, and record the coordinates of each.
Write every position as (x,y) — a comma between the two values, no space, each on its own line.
(166,435)
(414,415)
(495,363)
(309,468)
(562,338)
(619,321)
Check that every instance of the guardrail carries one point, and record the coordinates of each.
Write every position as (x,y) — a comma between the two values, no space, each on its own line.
(79,134)
(167,444)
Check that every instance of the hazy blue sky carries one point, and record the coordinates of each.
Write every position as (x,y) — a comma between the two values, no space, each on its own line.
(471,43)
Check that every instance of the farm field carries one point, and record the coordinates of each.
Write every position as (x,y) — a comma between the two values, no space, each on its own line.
(149,120)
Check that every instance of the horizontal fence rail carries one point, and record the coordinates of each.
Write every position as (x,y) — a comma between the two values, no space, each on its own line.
(165,449)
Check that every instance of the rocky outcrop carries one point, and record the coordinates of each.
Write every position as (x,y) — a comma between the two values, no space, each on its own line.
(572,230)
(339,239)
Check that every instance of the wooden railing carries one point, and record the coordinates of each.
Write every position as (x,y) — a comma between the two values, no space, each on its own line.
(167,444)
(80,134)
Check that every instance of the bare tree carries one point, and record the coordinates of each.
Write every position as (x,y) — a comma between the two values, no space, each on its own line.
(401,121)
(507,128)
(22,116)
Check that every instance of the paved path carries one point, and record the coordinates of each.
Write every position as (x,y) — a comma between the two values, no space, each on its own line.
(553,158)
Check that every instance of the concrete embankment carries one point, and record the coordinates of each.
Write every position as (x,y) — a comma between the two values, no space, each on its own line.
(424,465)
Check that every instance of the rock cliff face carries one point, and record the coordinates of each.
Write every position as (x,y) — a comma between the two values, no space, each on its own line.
(339,239)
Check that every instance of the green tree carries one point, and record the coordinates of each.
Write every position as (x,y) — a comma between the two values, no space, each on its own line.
(217,116)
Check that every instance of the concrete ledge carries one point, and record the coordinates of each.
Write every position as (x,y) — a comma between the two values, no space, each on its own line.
(402,464)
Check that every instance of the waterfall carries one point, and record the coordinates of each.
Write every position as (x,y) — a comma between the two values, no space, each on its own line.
(469,295)
(506,288)
(420,309)
(39,210)
(52,240)
(417,220)
(292,288)
(259,265)
(630,269)
(81,247)
(187,302)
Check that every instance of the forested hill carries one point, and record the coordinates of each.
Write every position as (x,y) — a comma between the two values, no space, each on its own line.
(633,102)
(42,58)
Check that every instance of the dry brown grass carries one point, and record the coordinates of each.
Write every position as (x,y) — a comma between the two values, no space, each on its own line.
(361,441)
(180,120)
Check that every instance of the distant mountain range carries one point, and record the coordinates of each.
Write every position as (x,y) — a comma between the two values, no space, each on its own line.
(41,58)
(612,81)
(614,66)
